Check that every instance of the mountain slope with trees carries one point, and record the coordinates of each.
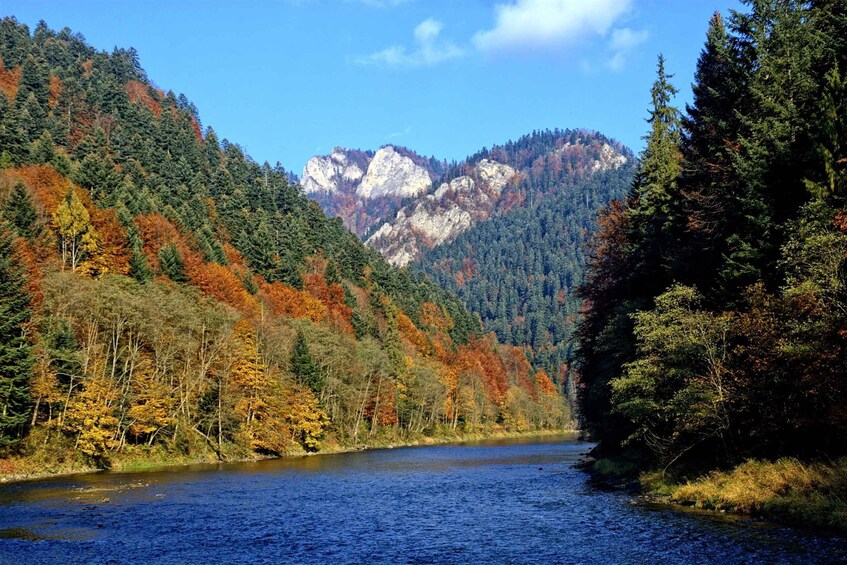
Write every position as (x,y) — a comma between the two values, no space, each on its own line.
(165,294)
(520,269)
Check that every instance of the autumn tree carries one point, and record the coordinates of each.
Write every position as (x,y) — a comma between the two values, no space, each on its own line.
(77,237)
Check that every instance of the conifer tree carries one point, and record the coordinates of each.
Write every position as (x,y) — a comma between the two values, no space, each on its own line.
(15,352)
(20,212)
(172,264)
(303,366)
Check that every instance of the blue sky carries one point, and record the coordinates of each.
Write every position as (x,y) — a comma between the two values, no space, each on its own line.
(288,79)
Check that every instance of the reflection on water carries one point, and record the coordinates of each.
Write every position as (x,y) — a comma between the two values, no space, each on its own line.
(504,501)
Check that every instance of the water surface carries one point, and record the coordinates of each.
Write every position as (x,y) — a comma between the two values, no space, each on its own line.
(494,502)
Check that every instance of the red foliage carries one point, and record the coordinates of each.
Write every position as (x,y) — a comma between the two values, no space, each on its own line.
(156,232)
(140,93)
(112,241)
(47,186)
(9,80)
(55,90)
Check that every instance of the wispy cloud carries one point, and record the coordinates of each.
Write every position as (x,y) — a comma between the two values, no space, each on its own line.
(429,49)
(380,3)
(621,44)
(402,133)
(548,24)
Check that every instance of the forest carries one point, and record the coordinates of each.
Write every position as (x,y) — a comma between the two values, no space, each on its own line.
(714,330)
(520,269)
(162,294)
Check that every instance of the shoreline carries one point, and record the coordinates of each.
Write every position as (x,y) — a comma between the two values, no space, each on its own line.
(785,492)
(130,464)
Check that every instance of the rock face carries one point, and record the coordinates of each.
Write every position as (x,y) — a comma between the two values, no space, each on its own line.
(366,189)
(363,187)
(441,216)
(391,174)
(333,172)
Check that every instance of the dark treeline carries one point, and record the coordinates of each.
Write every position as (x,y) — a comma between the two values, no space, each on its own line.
(715,325)
(162,289)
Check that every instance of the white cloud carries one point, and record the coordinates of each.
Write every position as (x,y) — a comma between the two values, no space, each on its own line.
(621,43)
(548,24)
(429,49)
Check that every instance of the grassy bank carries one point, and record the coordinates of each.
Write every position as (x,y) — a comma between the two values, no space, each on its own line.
(55,459)
(786,491)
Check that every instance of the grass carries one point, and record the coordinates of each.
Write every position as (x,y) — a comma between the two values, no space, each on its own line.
(786,490)
(45,456)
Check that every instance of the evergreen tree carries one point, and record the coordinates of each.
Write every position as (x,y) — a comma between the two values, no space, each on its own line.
(20,212)
(171,264)
(303,366)
(15,352)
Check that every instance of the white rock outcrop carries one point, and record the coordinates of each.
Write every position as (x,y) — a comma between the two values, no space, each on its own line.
(324,174)
(394,175)
(442,216)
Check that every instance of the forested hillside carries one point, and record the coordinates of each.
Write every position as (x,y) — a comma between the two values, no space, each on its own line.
(520,269)
(715,327)
(163,292)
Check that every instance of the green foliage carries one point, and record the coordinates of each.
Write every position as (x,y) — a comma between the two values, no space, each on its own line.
(171,264)
(304,368)
(15,351)
(520,269)
(715,327)
(20,212)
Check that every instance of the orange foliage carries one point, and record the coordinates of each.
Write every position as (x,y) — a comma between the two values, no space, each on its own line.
(382,405)
(221,283)
(545,385)
(29,262)
(139,93)
(156,231)
(412,334)
(55,90)
(518,368)
(434,316)
(332,296)
(284,300)
(112,245)
(480,357)
(47,186)
(198,133)
(86,66)
(9,80)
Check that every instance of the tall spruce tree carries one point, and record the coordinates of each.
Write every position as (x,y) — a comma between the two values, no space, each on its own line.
(15,352)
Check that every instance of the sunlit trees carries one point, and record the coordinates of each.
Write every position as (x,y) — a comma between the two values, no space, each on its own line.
(77,238)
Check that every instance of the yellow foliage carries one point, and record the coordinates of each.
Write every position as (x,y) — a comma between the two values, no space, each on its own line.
(91,415)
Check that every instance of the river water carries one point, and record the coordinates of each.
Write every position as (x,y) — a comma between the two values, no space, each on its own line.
(492,502)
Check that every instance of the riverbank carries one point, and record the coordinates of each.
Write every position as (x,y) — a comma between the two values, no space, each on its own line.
(787,491)
(63,460)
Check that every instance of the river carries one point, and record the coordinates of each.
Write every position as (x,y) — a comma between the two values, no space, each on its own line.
(490,502)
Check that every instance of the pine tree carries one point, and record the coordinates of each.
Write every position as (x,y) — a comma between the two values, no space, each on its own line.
(15,353)
(303,366)
(172,264)
(20,212)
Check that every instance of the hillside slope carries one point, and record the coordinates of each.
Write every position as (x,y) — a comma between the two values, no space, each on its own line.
(184,299)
